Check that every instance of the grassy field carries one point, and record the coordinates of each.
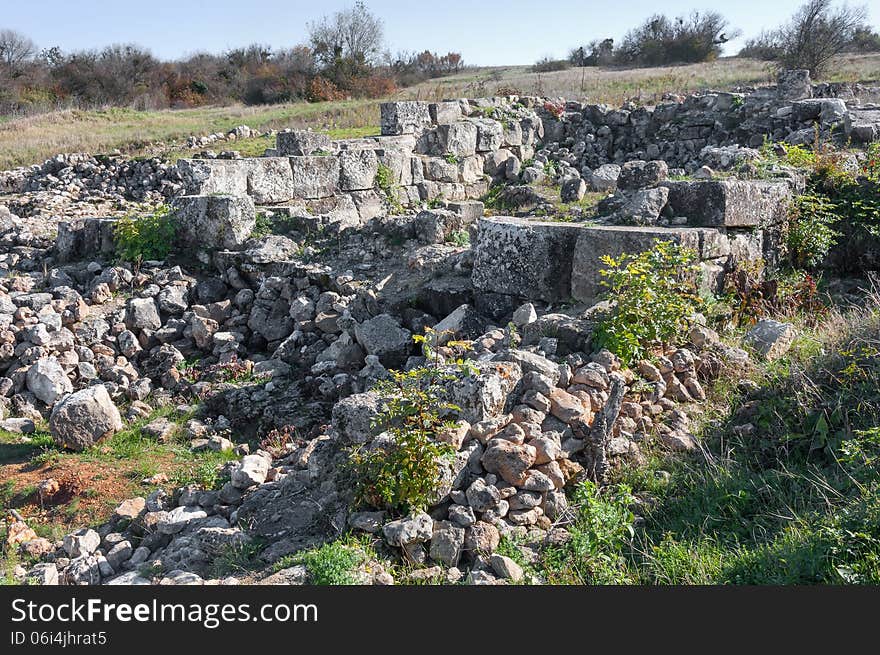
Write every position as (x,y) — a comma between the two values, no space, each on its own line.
(33,139)
(615,86)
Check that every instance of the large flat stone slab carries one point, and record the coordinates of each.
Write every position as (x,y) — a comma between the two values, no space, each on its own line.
(270,180)
(530,259)
(595,241)
(863,124)
(214,221)
(315,176)
(729,203)
(207,176)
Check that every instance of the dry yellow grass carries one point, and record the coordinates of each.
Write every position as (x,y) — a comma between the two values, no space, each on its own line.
(33,139)
(615,86)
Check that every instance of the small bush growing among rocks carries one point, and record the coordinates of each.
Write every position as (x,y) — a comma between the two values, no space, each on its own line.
(654,296)
(150,236)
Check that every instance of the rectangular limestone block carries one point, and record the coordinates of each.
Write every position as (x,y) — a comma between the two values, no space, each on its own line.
(357,169)
(370,204)
(443,113)
(206,176)
(84,237)
(459,138)
(729,203)
(315,176)
(298,143)
(214,221)
(528,259)
(470,210)
(270,180)
(490,134)
(440,169)
(397,164)
(404,117)
(595,241)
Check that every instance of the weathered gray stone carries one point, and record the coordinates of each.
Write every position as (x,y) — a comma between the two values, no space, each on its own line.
(490,134)
(459,138)
(297,143)
(530,259)
(178,518)
(47,380)
(357,169)
(506,568)
(352,418)
(413,529)
(771,339)
(641,174)
(729,203)
(383,337)
(446,543)
(270,180)
(315,176)
(639,207)
(252,470)
(573,189)
(142,314)
(202,177)
(604,178)
(84,417)
(82,542)
(444,113)
(404,117)
(218,221)
(793,85)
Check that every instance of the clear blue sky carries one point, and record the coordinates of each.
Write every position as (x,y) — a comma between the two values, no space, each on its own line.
(486,33)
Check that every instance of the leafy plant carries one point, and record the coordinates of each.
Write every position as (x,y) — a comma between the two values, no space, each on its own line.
(451,158)
(385,183)
(460,238)
(810,234)
(404,474)
(145,236)
(333,563)
(601,531)
(263,226)
(654,295)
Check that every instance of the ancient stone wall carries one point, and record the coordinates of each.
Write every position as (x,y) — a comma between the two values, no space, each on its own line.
(447,151)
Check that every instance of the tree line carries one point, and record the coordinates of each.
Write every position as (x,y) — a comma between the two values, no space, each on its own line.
(810,39)
(345,57)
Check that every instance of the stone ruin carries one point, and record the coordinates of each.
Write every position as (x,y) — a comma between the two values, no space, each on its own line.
(543,408)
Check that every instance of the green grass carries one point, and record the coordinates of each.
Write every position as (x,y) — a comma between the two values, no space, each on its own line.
(33,139)
(144,457)
(796,502)
(14,449)
(238,559)
(334,563)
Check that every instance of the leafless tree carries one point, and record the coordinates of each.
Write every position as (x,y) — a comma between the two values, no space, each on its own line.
(353,37)
(15,51)
(818,32)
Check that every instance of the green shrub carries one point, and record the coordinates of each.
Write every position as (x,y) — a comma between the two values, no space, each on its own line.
(601,533)
(385,183)
(404,476)
(460,238)
(263,226)
(147,236)
(810,234)
(654,295)
(332,564)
